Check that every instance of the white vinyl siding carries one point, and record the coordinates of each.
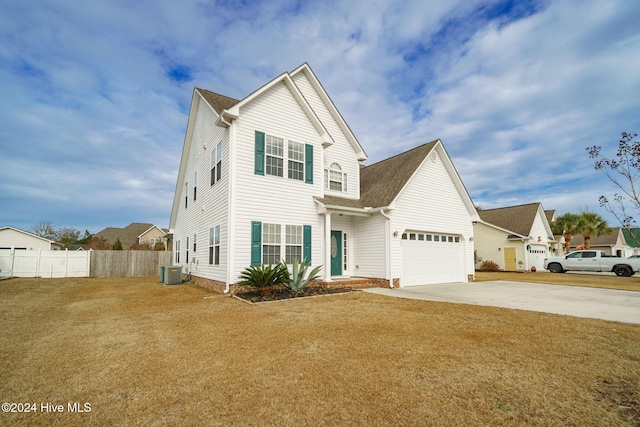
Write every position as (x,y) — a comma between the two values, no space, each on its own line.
(211,205)
(368,243)
(448,217)
(269,199)
(341,150)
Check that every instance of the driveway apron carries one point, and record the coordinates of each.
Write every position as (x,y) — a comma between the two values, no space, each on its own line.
(595,303)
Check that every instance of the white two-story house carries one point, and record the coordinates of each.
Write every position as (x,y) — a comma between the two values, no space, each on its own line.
(278,176)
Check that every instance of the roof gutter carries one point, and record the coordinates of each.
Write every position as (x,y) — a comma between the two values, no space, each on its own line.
(222,122)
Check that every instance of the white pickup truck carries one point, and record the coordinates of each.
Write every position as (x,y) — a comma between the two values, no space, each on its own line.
(593,261)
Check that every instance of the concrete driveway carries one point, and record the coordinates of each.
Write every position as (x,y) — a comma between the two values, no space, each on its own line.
(595,303)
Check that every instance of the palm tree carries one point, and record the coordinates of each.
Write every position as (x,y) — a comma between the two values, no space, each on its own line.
(591,225)
(568,225)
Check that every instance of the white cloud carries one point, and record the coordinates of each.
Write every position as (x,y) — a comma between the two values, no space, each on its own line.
(515,94)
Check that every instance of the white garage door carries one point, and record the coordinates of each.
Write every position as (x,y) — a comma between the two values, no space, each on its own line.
(537,254)
(431,258)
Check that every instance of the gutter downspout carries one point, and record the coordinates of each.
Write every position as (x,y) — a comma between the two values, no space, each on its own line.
(387,249)
(231,223)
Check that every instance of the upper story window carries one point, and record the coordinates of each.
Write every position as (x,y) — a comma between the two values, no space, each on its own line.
(186,195)
(274,154)
(195,185)
(216,164)
(334,178)
(296,160)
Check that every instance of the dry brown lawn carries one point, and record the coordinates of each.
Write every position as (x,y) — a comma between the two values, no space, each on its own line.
(572,279)
(144,354)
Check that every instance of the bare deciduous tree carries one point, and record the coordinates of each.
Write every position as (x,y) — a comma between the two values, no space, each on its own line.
(623,170)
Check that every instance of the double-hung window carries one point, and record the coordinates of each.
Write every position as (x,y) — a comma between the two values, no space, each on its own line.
(271,241)
(216,164)
(195,185)
(274,156)
(296,160)
(334,178)
(293,243)
(214,245)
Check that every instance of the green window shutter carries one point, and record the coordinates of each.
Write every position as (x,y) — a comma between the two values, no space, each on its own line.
(308,163)
(306,243)
(256,243)
(259,155)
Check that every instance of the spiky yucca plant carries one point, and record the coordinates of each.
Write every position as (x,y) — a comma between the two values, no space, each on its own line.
(264,276)
(299,279)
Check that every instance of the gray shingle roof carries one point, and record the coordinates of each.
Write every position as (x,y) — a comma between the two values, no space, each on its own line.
(218,102)
(127,235)
(604,239)
(550,214)
(518,219)
(380,183)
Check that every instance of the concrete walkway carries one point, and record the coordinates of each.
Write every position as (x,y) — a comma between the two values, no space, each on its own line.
(595,303)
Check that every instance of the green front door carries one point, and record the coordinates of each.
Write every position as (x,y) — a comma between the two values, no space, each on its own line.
(336,253)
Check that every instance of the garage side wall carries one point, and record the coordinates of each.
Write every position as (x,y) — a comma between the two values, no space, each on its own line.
(369,253)
(431,203)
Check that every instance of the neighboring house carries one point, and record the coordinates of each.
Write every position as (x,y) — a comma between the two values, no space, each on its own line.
(613,243)
(277,175)
(632,238)
(11,237)
(134,233)
(556,248)
(516,238)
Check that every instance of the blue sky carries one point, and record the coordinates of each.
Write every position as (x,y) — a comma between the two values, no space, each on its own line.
(95,94)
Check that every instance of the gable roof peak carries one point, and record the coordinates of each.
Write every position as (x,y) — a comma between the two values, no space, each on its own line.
(218,102)
(519,218)
(381,182)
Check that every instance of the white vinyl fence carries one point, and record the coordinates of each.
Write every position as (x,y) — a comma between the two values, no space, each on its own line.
(39,263)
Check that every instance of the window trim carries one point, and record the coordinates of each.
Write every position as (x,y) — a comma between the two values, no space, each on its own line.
(332,172)
(259,242)
(271,142)
(301,162)
(216,164)
(269,232)
(264,143)
(195,185)
(214,245)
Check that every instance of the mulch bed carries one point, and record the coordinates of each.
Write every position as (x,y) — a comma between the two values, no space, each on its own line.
(281,293)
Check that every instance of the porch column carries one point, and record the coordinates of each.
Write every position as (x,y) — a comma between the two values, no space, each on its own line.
(327,247)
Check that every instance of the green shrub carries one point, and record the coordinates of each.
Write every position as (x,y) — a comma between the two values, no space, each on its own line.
(489,266)
(264,276)
(298,278)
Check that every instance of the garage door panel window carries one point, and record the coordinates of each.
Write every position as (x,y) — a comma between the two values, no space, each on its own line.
(424,237)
